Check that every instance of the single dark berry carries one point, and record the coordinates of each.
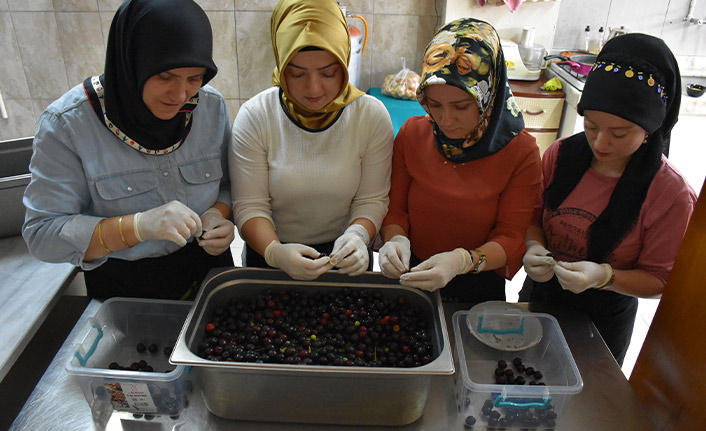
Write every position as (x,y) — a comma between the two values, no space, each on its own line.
(509,372)
(153,348)
(488,404)
(141,347)
(529,371)
(516,361)
(492,422)
(519,380)
(486,410)
(502,364)
(537,375)
(551,415)
(520,368)
(511,380)
(494,414)
(499,371)
(501,380)
(470,421)
(114,366)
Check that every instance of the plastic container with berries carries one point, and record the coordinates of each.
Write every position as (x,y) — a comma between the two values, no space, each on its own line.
(123,356)
(514,369)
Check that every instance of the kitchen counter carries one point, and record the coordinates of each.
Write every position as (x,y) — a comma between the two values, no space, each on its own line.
(29,290)
(607,401)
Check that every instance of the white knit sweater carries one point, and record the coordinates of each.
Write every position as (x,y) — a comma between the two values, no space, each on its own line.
(311,185)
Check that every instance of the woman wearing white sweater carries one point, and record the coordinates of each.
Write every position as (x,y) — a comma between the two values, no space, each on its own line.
(310,157)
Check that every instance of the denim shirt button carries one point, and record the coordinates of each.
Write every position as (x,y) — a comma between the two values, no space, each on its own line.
(165,173)
(208,175)
(129,188)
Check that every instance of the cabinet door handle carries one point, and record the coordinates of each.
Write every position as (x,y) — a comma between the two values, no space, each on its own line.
(540,112)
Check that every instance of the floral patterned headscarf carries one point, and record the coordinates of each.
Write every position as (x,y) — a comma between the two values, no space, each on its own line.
(466,53)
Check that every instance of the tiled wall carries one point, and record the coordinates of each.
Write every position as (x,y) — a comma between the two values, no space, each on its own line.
(664,19)
(47,46)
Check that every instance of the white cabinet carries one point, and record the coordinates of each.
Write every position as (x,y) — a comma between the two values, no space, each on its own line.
(541,110)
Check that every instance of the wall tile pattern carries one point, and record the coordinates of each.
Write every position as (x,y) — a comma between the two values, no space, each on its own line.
(48,46)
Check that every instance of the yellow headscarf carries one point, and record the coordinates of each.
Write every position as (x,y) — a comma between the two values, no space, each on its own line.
(296,24)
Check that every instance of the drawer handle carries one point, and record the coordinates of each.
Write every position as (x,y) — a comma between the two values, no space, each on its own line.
(540,112)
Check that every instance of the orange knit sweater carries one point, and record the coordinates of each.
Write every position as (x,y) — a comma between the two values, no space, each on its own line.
(444,205)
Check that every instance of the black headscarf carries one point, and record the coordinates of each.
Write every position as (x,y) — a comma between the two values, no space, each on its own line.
(636,77)
(466,53)
(148,37)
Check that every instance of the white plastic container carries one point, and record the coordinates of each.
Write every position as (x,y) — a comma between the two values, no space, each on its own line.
(515,406)
(112,336)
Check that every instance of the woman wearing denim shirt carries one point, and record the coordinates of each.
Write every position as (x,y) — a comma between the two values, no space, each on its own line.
(129,172)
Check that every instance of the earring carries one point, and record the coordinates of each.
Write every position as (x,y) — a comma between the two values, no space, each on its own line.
(644,141)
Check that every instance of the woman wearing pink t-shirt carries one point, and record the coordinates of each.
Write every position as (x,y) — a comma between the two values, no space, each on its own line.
(614,210)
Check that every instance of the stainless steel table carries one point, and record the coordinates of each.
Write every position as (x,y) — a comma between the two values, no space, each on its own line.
(606,402)
(29,289)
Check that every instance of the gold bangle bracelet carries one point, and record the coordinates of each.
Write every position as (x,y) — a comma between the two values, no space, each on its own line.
(122,235)
(100,236)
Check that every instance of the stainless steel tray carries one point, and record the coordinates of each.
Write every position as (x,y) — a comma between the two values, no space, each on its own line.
(310,393)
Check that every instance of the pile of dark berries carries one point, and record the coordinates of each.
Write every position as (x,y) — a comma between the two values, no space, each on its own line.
(142,365)
(507,417)
(341,327)
(506,376)
(529,418)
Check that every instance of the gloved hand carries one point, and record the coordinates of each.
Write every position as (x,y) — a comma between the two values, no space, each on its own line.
(394,256)
(538,266)
(301,262)
(435,272)
(350,251)
(218,232)
(172,221)
(583,275)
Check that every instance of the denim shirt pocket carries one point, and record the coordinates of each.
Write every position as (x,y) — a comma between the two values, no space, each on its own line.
(126,185)
(203,179)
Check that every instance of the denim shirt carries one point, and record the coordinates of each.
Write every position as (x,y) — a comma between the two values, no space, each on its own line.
(82,172)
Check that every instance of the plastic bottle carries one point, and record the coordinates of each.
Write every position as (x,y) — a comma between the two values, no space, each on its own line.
(601,38)
(596,42)
(585,39)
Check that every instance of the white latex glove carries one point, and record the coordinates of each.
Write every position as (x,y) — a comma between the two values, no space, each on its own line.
(583,275)
(435,272)
(218,232)
(538,265)
(394,256)
(299,261)
(350,251)
(172,221)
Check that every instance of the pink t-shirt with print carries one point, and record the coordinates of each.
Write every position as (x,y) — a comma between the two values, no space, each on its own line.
(651,245)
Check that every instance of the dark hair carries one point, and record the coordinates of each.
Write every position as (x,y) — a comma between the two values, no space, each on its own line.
(311,48)
(623,209)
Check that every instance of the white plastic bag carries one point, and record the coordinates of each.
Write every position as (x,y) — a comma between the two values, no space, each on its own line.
(402,85)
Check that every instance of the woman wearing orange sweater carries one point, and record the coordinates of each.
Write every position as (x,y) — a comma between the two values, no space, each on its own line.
(464,177)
